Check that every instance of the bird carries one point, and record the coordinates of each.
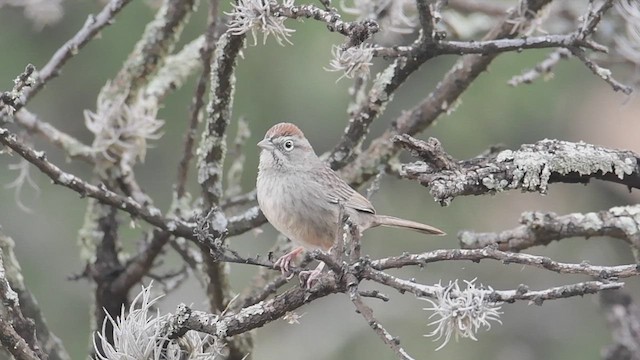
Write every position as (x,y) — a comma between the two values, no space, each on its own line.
(301,196)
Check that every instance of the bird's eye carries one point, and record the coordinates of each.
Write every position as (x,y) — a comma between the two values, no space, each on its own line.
(288,145)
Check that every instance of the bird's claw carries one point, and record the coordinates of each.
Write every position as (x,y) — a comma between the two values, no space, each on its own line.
(284,262)
(308,278)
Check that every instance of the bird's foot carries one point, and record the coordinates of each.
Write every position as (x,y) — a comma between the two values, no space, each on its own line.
(309,277)
(284,262)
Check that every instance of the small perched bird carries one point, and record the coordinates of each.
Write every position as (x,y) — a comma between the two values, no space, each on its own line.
(300,196)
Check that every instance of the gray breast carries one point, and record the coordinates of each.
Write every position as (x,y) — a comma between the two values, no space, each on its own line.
(298,210)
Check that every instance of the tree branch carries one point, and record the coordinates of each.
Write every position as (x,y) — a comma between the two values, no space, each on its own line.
(91,28)
(531,168)
(48,342)
(149,213)
(540,228)
(441,100)
(476,255)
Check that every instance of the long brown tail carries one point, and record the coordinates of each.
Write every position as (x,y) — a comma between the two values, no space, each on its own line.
(385,220)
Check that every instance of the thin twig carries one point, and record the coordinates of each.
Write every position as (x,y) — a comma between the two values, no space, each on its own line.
(440,101)
(72,147)
(206,53)
(476,255)
(150,214)
(139,266)
(522,293)
(542,69)
(604,74)
(387,338)
(89,30)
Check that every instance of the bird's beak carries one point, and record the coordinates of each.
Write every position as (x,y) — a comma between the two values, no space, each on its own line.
(265,144)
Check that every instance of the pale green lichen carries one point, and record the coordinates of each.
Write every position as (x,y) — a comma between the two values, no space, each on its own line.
(491,183)
(628,218)
(212,149)
(591,221)
(535,164)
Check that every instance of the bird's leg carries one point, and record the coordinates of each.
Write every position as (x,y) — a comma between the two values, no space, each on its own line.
(284,262)
(308,277)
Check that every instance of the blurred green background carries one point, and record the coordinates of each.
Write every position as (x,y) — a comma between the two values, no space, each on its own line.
(288,83)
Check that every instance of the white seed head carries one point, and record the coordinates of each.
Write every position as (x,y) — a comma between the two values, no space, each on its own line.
(354,61)
(256,16)
(461,313)
(139,335)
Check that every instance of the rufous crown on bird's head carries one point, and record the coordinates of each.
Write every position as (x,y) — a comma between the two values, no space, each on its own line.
(284,129)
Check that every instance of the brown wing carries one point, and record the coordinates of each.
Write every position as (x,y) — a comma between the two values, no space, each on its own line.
(341,192)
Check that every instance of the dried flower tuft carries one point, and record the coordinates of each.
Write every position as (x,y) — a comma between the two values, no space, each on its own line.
(257,15)
(24,177)
(139,336)
(121,130)
(354,61)
(461,313)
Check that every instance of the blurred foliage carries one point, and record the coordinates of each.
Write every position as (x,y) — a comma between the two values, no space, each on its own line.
(288,83)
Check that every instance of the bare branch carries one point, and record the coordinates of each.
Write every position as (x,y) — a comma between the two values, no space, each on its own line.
(591,21)
(18,330)
(521,294)
(12,101)
(16,345)
(543,69)
(48,342)
(248,318)
(387,338)
(72,147)
(540,228)
(149,213)
(604,74)
(475,255)
(139,266)
(441,100)
(91,28)
(491,46)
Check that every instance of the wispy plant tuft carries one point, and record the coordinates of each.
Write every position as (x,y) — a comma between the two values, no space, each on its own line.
(138,335)
(256,16)
(24,177)
(121,130)
(461,313)
(354,61)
